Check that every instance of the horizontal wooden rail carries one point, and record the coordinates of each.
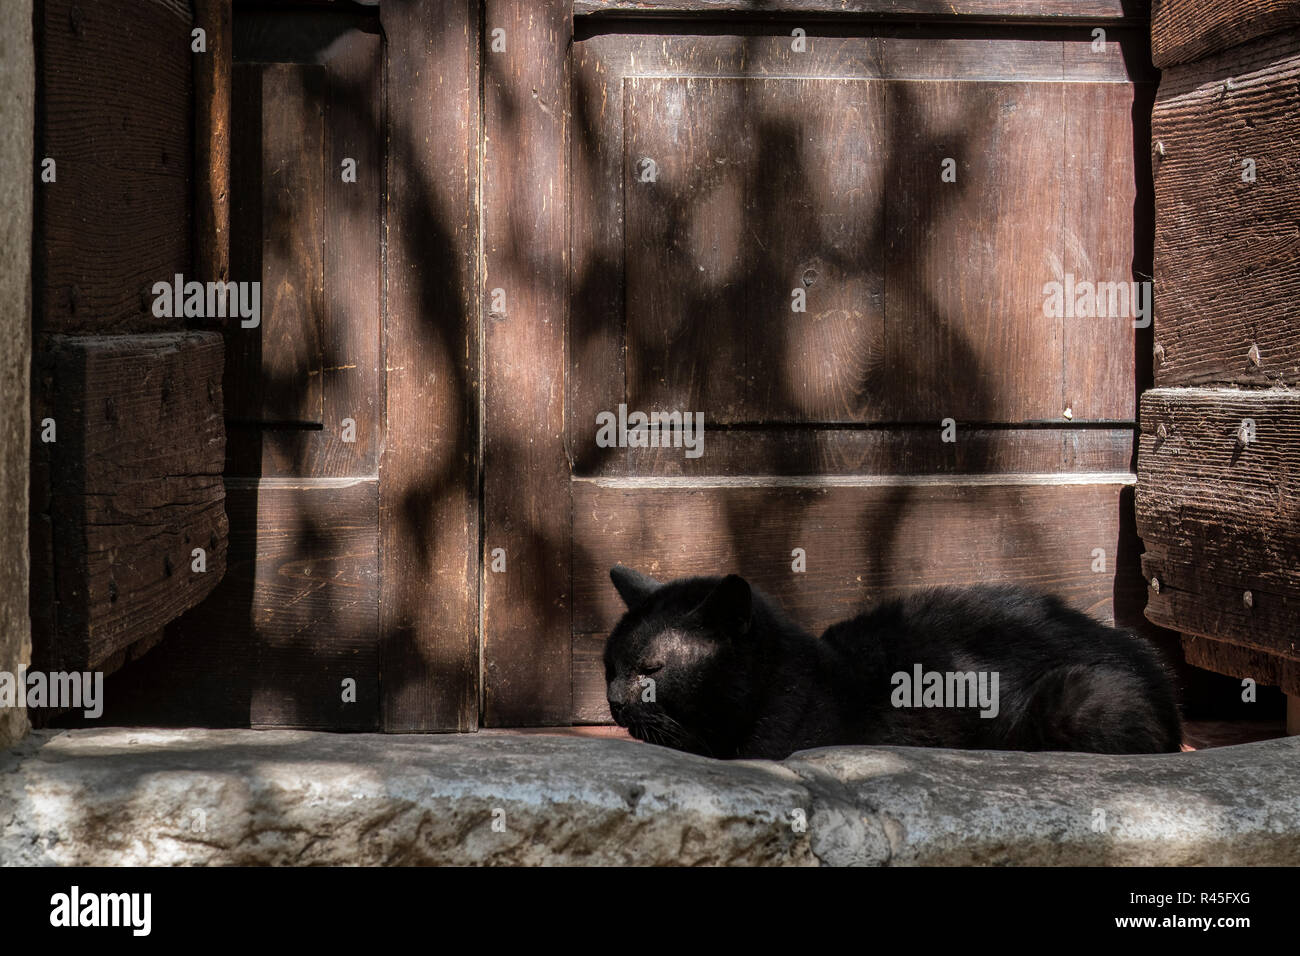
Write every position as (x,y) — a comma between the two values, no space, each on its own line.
(1050,11)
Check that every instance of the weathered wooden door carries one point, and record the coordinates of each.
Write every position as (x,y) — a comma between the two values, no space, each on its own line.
(348,603)
(832,234)
(342,145)
(828,231)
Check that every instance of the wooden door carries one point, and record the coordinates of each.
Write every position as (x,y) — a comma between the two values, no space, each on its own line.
(350,467)
(762,232)
(826,229)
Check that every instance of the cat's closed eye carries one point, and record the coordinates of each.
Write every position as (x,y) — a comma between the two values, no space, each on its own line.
(650,668)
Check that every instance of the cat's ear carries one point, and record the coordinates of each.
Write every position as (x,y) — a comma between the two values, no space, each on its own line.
(730,606)
(632,586)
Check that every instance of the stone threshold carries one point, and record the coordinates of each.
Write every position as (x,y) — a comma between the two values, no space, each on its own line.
(129,796)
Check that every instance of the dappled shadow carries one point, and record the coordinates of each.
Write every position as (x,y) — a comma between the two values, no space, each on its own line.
(217,660)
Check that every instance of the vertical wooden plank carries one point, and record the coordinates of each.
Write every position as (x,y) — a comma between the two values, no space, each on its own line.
(526,499)
(241,384)
(428,469)
(212,136)
(293,157)
(1105,241)
(351,376)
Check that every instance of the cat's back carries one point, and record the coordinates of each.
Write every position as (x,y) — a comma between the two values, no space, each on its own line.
(1067,681)
(1008,624)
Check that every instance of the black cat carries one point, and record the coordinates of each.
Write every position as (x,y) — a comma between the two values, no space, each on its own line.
(712,666)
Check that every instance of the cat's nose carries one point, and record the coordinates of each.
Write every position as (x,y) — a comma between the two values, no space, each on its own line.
(616,711)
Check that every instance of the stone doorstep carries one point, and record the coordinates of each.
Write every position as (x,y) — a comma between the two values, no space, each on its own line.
(159,797)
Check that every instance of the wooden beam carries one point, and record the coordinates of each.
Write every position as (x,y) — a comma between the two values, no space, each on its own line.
(1216,512)
(428,469)
(1053,11)
(1242,662)
(526,509)
(134,485)
(1227,192)
(1187,30)
(212,72)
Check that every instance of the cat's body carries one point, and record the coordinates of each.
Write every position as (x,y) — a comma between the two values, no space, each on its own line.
(734,677)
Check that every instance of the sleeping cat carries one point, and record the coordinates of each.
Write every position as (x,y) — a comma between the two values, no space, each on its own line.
(714,667)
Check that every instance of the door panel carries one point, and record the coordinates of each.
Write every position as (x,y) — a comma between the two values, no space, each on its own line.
(751,202)
(862,539)
(291,637)
(312,379)
(966,336)
(279,190)
(306,401)
(780,175)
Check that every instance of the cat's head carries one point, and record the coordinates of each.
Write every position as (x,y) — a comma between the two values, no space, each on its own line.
(677,663)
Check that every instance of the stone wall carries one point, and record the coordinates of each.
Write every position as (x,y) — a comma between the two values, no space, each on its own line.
(17,105)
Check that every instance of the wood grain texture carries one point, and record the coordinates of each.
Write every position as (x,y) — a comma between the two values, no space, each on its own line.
(689,270)
(134,485)
(288,377)
(595,348)
(779,449)
(1219,515)
(314,569)
(966,336)
(762,187)
(689,275)
(348,368)
(429,516)
(212,143)
(525,617)
(295,616)
(1227,251)
(1187,30)
(861,542)
(606,65)
(116,101)
(1107,213)
(1001,10)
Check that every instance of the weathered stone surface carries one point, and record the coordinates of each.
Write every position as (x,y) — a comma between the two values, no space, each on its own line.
(1231,806)
(138,796)
(123,796)
(17,109)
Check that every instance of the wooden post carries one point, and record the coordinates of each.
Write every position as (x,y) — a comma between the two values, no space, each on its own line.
(527,631)
(428,517)
(1292,715)
(212,72)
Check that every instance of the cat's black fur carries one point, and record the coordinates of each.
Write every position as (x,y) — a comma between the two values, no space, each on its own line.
(734,677)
